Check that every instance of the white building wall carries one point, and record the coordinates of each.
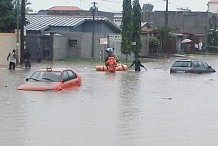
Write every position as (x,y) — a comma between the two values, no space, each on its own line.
(7,44)
(213,7)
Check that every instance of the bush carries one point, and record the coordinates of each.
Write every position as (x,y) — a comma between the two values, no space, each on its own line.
(153,45)
(213,49)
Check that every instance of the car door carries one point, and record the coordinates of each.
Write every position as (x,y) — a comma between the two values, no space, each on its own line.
(198,67)
(73,79)
(66,80)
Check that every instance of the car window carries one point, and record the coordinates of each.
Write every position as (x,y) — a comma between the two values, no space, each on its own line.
(201,65)
(72,75)
(37,75)
(198,64)
(205,64)
(54,76)
(195,64)
(65,76)
(182,64)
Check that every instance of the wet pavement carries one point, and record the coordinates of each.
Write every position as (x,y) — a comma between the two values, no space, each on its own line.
(153,108)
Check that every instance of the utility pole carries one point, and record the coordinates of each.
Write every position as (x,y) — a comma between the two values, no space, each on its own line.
(93,9)
(22,25)
(18,26)
(166,13)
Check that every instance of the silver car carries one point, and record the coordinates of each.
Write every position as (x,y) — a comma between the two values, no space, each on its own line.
(191,66)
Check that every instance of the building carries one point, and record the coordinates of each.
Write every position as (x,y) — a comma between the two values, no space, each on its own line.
(183,24)
(213,6)
(58,37)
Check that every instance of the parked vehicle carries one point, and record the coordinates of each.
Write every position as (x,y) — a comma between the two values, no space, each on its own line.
(191,66)
(51,79)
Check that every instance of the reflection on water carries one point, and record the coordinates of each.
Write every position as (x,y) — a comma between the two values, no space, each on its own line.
(129,108)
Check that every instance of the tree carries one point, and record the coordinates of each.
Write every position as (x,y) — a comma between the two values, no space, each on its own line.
(153,44)
(136,31)
(7,16)
(164,35)
(212,37)
(27,3)
(126,28)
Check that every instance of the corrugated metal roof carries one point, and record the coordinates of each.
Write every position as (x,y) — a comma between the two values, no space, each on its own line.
(40,22)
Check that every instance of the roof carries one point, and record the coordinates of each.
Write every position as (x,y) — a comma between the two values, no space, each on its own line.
(119,23)
(54,69)
(65,8)
(42,22)
(213,1)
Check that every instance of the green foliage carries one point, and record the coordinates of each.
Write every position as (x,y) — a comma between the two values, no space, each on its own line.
(153,44)
(212,49)
(163,33)
(27,5)
(213,37)
(136,31)
(7,16)
(126,27)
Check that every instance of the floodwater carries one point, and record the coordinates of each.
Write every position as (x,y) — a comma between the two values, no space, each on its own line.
(153,108)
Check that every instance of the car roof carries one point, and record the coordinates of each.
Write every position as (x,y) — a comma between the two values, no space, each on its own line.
(54,69)
(184,59)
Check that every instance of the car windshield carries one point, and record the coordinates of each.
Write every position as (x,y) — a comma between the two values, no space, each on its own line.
(205,64)
(53,76)
(182,64)
(200,64)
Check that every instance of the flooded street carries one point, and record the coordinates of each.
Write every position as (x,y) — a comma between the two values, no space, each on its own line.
(153,108)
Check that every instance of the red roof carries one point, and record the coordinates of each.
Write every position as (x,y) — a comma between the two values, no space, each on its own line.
(65,8)
(213,1)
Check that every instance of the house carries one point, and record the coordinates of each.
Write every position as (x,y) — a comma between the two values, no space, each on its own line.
(58,37)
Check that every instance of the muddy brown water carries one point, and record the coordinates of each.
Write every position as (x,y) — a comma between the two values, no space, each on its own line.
(153,108)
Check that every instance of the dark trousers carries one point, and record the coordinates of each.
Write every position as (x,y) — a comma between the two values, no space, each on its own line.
(11,65)
(137,68)
(27,63)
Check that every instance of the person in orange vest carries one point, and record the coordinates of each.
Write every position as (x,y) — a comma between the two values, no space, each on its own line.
(111,63)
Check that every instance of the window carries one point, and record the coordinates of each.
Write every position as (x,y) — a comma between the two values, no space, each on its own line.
(200,64)
(182,64)
(65,76)
(72,75)
(72,43)
(205,64)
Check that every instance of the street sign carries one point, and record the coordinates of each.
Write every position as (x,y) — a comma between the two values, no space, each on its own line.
(133,43)
(103,41)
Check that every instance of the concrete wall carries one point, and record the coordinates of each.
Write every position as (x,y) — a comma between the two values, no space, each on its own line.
(145,45)
(7,44)
(60,47)
(180,21)
(84,46)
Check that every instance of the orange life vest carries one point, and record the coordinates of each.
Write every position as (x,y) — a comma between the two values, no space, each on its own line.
(111,64)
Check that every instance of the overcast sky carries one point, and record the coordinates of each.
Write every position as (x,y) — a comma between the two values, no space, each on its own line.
(116,5)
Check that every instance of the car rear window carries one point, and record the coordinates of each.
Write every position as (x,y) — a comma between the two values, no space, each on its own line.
(182,64)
